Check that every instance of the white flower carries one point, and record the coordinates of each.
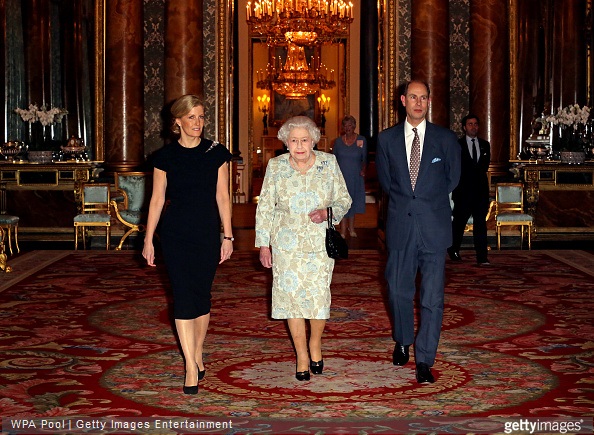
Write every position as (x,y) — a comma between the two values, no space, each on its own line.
(43,115)
(28,115)
(570,116)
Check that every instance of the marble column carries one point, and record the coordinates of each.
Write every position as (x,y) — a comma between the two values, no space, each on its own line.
(184,72)
(430,54)
(368,82)
(124,85)
(489,76)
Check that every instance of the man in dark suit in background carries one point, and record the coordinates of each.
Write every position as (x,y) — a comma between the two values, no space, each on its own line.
(471,197)
(418,165)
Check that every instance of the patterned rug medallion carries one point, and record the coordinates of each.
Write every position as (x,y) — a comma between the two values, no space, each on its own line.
(89,334)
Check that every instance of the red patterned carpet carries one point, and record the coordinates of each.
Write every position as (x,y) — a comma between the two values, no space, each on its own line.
(88,334)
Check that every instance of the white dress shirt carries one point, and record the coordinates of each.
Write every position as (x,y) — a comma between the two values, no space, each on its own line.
(409,136)
(476,144)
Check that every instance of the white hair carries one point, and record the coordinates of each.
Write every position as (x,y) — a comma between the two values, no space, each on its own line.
(299,122)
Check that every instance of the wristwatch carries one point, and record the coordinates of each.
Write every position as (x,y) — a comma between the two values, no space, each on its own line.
(229,238)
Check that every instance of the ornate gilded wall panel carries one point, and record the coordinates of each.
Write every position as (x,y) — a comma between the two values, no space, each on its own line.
(403,29)
(209,56)
(388,63)
(154,74)
(459,62)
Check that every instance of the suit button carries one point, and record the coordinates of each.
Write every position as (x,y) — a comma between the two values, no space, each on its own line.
(414,197)
(410,214)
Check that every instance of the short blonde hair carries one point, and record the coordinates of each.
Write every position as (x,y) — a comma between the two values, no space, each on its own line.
(181,107)
(299,122)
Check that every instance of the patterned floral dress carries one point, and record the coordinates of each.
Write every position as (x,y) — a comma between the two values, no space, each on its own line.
(301,269)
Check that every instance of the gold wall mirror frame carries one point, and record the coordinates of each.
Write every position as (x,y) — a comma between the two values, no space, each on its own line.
(514,113)
(99,85)
(224,71)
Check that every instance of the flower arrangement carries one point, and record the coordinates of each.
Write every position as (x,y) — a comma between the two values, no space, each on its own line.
(572,121)
(42,114)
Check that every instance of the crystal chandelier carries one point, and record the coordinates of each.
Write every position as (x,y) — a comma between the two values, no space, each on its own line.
(302,22)
(296,79)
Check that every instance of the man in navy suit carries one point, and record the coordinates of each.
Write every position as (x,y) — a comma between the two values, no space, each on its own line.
(419,228)
(471,197)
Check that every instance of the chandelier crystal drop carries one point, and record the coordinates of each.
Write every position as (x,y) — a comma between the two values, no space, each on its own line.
(303,22)
(296,79)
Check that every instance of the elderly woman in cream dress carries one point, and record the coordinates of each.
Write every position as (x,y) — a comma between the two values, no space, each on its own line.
(290,232)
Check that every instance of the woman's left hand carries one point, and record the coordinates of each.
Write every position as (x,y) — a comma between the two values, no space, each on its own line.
(318,216)
(226,250)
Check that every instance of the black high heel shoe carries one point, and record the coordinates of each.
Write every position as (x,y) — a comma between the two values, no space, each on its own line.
(191,390)
(194,389)
(316,367)
(302,376)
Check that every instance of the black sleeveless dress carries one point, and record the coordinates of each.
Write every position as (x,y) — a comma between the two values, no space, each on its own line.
(190,223)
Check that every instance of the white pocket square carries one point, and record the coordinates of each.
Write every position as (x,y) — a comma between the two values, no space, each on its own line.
(435,160)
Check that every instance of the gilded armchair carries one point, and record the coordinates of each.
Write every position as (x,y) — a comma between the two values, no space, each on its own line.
(3,257)
(10,225)
(134,189)
(94,212)
(509,211)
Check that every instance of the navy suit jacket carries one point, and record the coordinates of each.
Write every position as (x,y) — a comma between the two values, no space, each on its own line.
(429,205)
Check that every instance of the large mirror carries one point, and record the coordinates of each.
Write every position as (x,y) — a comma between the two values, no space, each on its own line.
(53,58)
(550,62)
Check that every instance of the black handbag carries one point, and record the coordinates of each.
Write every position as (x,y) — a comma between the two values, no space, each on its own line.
(336,246)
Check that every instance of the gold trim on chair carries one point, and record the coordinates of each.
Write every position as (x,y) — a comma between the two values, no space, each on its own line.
(10,225)
(509,211)
(95,205)
(132,227)
(125,203)
(3,257)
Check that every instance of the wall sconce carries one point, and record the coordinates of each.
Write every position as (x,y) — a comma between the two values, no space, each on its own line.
(264,107)
(324,106)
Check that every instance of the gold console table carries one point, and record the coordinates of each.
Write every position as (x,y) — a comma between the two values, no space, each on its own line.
(559,196)
(45,196)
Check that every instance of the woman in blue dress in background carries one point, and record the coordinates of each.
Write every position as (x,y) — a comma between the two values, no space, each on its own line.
(350,150)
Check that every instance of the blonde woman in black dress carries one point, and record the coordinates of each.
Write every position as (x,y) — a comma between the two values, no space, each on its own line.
(192,174)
